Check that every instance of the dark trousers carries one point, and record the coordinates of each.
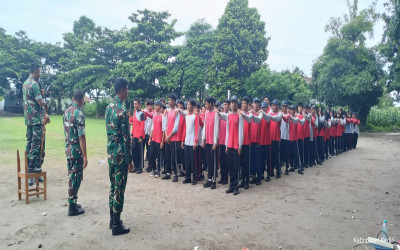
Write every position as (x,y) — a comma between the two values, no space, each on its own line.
(265,152)
(255,167)
(331,145)
(211,159)
(355,140)
(285,152)
(171,156)
(197,162)
(137,153)
(336,144)
(33,144)
(294,155)
(275,157)
(154,155)
(313,146)
(300,144)
(181,157)
(244,163)
(223,163)
(326,147)
(233,163)
(190,161)
(146,145)
(307,151)
(320,148)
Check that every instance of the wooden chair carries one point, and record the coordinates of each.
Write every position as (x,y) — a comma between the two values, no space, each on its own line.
(36,190)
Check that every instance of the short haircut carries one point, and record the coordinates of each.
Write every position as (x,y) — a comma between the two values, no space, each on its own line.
(192,102)
(120,84)
(137,100)
(162,99)
(180,102)
(172,96)
(246,99)
(78,95)
(34,67)
(210,100)
(149,102)
(227,101)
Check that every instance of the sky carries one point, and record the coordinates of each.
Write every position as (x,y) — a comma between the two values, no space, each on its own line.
(296,27)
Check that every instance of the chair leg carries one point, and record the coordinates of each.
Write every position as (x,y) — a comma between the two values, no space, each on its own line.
(19,188)
(37,186)
(45,186)
(26,190)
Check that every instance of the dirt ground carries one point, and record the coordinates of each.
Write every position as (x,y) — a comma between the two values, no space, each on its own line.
(326,208)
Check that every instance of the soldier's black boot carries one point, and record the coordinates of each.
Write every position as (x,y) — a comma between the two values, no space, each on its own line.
(118,228)
(111,217)
(75,209)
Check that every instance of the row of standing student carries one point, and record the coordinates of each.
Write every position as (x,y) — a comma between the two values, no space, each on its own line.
(242,140)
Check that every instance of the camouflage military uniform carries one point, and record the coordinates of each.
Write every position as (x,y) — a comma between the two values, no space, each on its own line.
(118,150)
(74,126)
(33,114)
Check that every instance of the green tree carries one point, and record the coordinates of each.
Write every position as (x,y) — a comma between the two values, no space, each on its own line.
(390,47)
(348,72)
(240,49)
(188,75)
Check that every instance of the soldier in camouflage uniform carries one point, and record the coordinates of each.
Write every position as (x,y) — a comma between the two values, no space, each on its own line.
(75,150)
(34,106)
(119,154)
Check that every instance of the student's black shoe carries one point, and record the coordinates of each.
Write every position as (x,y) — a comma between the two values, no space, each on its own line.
(319,163)
(201,177)
(262,177)
(139,171)
(286,172)
(235,191)
(246,185)
(224,182)
(291,169)
(207,184)
(258,182)
(272,175)
(119,228)
(306,165)
(148,169)
(75,209)
(278,175)
(194,181)
(268,179)
(175,179)
(300,171)
(186,180)
(213,185)
(229,190)
(220,181)
(182,174)
(310,165)
(166,177)
(241,184)
(253,180)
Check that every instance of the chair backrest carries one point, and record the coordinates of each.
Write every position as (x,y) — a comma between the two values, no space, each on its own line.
(18,162)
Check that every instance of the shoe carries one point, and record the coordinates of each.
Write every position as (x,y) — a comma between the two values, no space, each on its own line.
(286,172)
(310,165)
(319,163)
(175,179)
(139,171)
(186,180)
(229,190)
(201,177)
(163,172)
(207,184)
(166,177)
(34,170)
(330,156)
(272,175)
(224,182)
(262,177)
(31,181)
(153,173)
(306,165)
(241,184)
(258,182)
(278,175)
(213,185)
(300,171)
(194,181)
(253,180)
(235,191)
(148,169)
(291,169)
(118,228)
(246,185)
(156,174)
(220,181)
(182,174)
(75,209)
(268,179)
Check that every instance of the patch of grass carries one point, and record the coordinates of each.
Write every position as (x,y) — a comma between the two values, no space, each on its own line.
(13,137)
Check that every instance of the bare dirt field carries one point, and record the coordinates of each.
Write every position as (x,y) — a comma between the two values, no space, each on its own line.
(326,208)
